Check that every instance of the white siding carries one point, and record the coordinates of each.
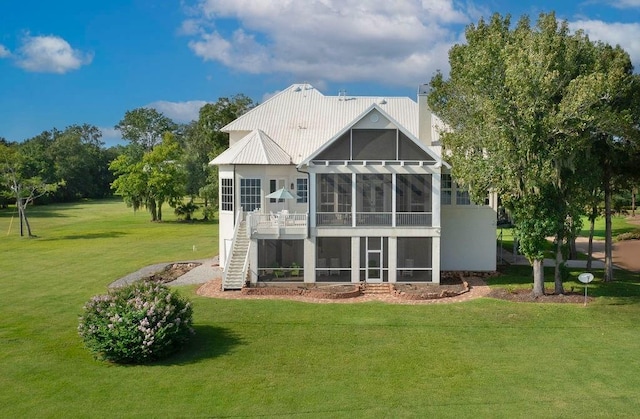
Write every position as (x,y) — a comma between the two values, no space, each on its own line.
(468,239)
(225,218)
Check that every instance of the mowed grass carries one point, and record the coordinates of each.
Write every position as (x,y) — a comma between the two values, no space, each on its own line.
(270,358)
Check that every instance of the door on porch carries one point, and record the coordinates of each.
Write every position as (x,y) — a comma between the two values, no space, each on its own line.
(374,259)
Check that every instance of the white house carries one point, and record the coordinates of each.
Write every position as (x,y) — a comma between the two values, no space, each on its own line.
(370,197)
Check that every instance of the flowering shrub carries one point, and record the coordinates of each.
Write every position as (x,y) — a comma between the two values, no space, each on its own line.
(138,323)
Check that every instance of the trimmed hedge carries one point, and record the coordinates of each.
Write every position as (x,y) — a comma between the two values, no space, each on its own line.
(137,323)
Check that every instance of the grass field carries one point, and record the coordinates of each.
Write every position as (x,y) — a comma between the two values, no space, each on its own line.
(619,225)
(270,358)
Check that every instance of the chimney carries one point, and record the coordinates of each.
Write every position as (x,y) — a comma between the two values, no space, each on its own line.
(424,116)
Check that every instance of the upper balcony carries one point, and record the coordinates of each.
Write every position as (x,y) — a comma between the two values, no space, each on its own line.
(374,219)
(277,225)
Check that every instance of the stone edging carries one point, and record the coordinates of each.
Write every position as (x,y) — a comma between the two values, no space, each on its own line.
(356,291)
(304,292)
(431,295)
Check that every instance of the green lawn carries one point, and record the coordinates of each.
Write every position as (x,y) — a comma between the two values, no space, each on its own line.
(619,225)
(269,358)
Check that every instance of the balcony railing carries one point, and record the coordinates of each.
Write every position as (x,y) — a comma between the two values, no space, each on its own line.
(413,219)
(333,219)
(374,218)
(277,224)
(345,219)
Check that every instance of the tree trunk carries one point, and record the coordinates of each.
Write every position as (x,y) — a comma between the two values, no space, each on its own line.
(592,226)
(20,216)
(573,248)
(608,241)
(159,218)
(538,277)
(559,289)
(26,222)
(152,209)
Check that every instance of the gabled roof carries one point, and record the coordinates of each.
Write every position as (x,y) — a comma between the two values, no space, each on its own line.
(300,119)
(375,107)
(255,148)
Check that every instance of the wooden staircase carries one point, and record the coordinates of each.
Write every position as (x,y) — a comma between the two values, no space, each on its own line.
(383,288)
(235,275)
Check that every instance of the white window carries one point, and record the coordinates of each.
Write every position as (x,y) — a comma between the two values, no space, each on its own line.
(250,194)
(445,189)
(302,190)
(274,185)
(226,194)
(462,196)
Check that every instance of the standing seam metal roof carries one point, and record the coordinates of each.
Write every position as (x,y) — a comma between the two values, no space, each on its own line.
(255,148)
(300,119)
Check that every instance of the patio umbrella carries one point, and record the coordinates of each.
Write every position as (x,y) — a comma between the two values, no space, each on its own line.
(282,193)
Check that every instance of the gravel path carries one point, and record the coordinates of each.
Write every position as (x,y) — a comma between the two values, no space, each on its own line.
(207,271)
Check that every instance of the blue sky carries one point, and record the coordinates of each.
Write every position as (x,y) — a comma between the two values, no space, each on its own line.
(71,62)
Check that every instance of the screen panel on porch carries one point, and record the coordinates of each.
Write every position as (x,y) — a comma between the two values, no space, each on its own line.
(334,199)
(415,259)
(413,200)
(373,200)
(373,144)
(280,260)
(333,259)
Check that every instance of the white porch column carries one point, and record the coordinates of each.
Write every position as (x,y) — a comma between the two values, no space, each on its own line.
(311,200)
(435,261)
(435,199)
(394,195)
(310,260)
(355,259)
(354,199)
(392,259)
(253,262)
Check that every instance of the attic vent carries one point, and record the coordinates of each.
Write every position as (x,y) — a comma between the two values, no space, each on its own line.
(297,89)
(382,101)
(342,94)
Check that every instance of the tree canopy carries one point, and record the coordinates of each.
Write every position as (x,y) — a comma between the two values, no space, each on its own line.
(523,103)
(145,127)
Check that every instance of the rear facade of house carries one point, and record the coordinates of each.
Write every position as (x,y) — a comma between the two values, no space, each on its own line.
(369,196)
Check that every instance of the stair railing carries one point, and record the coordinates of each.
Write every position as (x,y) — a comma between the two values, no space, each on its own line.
(245,265)
(227,262)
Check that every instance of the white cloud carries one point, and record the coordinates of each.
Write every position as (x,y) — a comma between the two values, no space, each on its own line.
(179,111)
(627,35)
(625,4)
(50,54)
(337,40)
(4,52)
(111,136)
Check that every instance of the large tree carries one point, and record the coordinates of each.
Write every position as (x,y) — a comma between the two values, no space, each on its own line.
(23,189)
(152,178)
(145,127)
(612,120)
(81,161)
(518,123)
(214,116)
(203,140)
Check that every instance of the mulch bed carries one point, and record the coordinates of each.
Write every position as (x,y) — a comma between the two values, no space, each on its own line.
(525,296)
(172,272)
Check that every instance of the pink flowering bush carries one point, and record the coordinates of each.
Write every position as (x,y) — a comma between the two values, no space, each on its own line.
(138,323)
